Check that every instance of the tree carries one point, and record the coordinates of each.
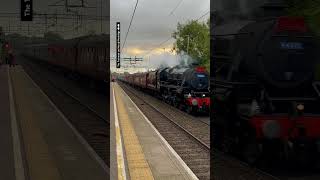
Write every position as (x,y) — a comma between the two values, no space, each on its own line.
(193,38)
(310,9)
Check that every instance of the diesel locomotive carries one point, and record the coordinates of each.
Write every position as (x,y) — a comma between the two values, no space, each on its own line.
(266,97)
(185,87)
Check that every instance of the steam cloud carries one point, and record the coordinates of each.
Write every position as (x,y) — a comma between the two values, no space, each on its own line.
(185,59)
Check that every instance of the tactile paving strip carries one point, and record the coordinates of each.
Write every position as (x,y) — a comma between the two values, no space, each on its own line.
(137,164)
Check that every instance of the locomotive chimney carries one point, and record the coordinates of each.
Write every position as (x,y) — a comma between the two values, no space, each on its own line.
(194,64)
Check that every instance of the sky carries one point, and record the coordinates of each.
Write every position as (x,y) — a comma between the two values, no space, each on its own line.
(65,27)
(154,22)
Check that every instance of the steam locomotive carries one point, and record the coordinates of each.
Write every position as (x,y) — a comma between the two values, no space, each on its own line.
(266,95)
(181,86)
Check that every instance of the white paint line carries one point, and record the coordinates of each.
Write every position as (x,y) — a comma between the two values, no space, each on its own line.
(120,156)
(91,152)
(18,162)
(184,165)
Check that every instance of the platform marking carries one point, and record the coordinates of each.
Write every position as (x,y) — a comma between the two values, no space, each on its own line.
(184,165)
(40,161)
(89,149)
(18,162)
(120,158)
(138,166)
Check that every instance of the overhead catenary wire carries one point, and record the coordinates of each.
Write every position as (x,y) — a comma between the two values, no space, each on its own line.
(174,9)
(157,46)
(134,11)
(203,15)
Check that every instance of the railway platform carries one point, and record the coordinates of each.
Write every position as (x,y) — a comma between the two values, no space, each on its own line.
(37,141)
(138,151)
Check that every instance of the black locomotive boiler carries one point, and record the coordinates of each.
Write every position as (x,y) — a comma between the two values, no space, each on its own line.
(266,97)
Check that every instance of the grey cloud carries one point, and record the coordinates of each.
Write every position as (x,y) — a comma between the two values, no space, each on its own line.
(153,24)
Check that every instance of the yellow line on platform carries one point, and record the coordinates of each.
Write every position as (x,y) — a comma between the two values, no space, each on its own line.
(138,167)
(40,162)
(119,149)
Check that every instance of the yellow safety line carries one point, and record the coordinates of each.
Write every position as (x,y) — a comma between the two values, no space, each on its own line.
(138,167)
(119,148)
(40,162)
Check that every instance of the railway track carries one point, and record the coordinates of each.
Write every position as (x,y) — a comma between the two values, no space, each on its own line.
(90,124)
(193,125)
(194,152)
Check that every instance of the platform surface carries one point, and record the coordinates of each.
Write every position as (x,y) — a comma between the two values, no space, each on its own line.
(6,140)
(146,153)
(44,145)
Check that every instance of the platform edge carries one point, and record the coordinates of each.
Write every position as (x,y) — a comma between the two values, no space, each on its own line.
(119,147)
(91,152)
(184,165)
(18,161)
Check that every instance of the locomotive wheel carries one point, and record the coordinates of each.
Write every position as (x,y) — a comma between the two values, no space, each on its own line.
(303,155)
(251,152)
(181,107)
(92,84)
(227,145)
(176,104)
(222,139)
(189,110)
(192,110)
